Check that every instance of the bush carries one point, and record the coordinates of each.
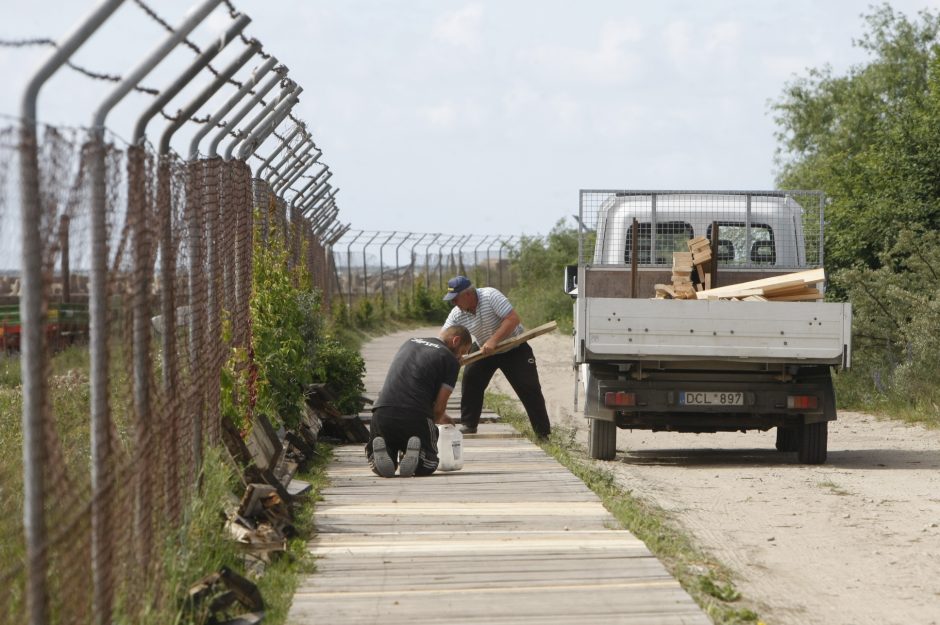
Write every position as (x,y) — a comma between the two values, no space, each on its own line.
(896,333)
(279,323)
(539,265)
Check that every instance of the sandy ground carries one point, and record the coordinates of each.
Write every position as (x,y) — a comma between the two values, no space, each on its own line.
(854,541)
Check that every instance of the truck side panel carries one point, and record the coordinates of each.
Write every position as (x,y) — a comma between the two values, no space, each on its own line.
(650,329)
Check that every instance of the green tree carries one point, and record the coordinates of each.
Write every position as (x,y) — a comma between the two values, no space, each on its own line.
(870,139)
(539,266)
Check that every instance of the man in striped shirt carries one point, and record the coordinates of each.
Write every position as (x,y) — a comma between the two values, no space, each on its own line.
(490,317)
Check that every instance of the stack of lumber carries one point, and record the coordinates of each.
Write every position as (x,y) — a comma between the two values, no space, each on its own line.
(791,287)
(682,275)
(701,251)
(683,264)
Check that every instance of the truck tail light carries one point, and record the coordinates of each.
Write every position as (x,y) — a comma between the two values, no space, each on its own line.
(619,398)
(802,402)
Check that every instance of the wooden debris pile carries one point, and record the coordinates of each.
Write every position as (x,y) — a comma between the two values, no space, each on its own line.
(340,427)
(222,598)
(684,285)
(261,520)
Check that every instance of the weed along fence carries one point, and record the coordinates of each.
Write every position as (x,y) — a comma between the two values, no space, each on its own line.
(152,238)
(393,267)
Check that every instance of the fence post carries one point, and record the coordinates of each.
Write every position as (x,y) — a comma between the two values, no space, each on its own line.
(283,144)
(265,122)
(440,258)
(244,110)
(427,261)
(32,344)
(64,223)
(382,266)
(223,110)
(138,214)
(458,266)
(349,282)
(397,276)
(476,260)
(499,262)
(320,198)
(365,266)
(102,474)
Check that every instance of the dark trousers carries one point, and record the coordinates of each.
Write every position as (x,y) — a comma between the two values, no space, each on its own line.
(518,365)
(396,427)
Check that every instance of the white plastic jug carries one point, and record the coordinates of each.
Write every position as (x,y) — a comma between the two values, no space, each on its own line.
(450,448)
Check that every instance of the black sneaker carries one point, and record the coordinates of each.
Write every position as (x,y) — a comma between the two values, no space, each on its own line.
(409,462)
(468,429)
(381,461)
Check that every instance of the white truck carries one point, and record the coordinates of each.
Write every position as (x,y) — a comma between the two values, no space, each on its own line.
(701,365)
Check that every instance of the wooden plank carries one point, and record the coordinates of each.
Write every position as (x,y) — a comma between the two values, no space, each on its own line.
(808,295)
(514,537)
(508,344)
(462,540)
(809,277)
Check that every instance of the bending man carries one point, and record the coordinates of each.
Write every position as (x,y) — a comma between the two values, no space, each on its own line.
(490,318)
(412,400)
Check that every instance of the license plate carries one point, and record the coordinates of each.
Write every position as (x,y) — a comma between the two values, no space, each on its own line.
(711,398)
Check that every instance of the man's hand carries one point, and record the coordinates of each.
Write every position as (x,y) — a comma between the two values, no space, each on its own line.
(444,419)
(490,346)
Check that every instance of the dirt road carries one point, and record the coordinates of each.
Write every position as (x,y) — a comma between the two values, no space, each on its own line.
(854,541)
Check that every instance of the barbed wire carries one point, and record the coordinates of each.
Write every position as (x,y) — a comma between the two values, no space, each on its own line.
(163,23)
(39,41)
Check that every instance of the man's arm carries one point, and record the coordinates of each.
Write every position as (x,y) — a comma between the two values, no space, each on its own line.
(505,328)
(440,405)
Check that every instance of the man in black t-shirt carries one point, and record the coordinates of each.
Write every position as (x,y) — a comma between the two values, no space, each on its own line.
(412,400)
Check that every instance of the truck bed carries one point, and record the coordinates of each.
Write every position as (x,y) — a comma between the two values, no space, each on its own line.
(623,329)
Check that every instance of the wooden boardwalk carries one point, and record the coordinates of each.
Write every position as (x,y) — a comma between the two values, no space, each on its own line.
(514,537)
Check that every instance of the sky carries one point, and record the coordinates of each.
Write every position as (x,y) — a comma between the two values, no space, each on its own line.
(488,116)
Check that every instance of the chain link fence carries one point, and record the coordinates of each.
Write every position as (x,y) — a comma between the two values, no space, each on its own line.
(125,284)
(393,266)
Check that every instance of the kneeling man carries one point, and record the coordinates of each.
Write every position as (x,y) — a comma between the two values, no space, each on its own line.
(413,399)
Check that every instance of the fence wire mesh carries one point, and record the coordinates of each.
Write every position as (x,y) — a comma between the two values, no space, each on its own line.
(179,240)
(755,229)
(392,267)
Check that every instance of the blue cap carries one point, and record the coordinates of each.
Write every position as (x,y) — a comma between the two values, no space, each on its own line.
(455,286)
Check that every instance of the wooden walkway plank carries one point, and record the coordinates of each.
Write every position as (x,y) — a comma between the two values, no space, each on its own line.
(512,538)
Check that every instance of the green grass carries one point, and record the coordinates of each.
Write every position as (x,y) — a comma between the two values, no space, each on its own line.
(200,546)
(708,582)
(833,488)
(856,390)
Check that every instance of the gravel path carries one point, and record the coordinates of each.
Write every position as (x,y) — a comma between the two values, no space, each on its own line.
(856,540)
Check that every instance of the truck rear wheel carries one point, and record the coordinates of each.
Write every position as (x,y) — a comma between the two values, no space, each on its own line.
(813,442)
(788,438)
(602,439)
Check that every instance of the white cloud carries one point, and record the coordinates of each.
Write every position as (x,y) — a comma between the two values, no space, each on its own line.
(697,45)
(723,37)
(611,61)
(461,28)
(782,67)
(520,99)
(442,116)
(678,39)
